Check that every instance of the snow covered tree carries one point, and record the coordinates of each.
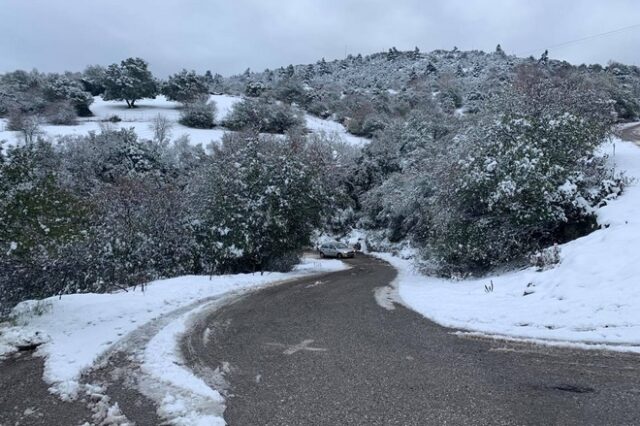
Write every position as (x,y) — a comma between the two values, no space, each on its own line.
(323,67)
(61,88)
(93,79)
(185,86)
(254,89)
(130,81)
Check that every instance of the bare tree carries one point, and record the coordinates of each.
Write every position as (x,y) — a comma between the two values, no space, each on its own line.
(161,127)
(31,128)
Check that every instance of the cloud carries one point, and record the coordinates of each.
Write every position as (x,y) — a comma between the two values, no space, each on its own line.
(228,37)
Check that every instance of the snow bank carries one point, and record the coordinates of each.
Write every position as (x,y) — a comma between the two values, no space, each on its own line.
(592,297)
(77,329)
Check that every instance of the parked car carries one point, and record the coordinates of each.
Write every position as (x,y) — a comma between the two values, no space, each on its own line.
(339,250)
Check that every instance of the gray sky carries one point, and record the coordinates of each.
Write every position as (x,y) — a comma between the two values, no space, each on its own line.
(229,36)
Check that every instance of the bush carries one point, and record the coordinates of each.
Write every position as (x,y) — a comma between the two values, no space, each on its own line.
(16,120)
(545,259)
(60,113)
(530,180)
(283,263)
(258,203)
(41,220)
(112,119)
(263,116)
(199,115)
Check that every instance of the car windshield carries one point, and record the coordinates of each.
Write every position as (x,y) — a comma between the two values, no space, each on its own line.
(341,246)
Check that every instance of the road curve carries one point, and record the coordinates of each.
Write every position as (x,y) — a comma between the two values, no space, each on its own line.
(321,351)
(630,133)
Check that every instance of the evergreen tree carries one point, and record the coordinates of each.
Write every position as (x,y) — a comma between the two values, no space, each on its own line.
(185,86)
(130,81)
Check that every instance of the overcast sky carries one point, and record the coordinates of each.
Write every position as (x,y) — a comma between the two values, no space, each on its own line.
(229,36)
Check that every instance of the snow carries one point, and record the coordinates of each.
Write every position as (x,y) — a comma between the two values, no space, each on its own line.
(75,330)
(589,300)
(333,128)
(194,402)
(138,118)
(141,117)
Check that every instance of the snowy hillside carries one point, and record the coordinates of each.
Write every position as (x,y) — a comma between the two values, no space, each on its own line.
(591,298)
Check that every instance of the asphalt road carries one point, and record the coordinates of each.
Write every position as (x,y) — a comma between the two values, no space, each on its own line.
(26,401)
(321,351)
(631,134)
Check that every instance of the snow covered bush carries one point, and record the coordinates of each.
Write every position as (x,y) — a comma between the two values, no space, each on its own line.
(26,123)
(254,89)
(199,114)
(525,184)
(60,113)
(40,220)
(264,116)
(258,202)
(546,258)
(136,235)
(64,89)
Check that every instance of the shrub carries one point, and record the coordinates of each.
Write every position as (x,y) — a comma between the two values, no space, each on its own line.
(283,263)
(530,179)
(545,259)
(16,120)
(200,114)
(262,115)
(258,202)
(113,119)
(60,113)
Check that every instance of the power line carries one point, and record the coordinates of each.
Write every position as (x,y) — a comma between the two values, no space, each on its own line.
(578,40)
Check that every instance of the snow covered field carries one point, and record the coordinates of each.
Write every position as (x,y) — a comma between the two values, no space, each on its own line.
(141,117)
(591,299)
(78,329)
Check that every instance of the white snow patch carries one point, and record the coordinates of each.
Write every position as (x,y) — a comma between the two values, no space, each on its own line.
(14,338)
(591,298)
(187,399)
(333,129)
(386,296)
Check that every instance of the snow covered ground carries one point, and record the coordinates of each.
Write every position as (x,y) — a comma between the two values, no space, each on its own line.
(335,129)
(77,329)
(591,299)
(141,117)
